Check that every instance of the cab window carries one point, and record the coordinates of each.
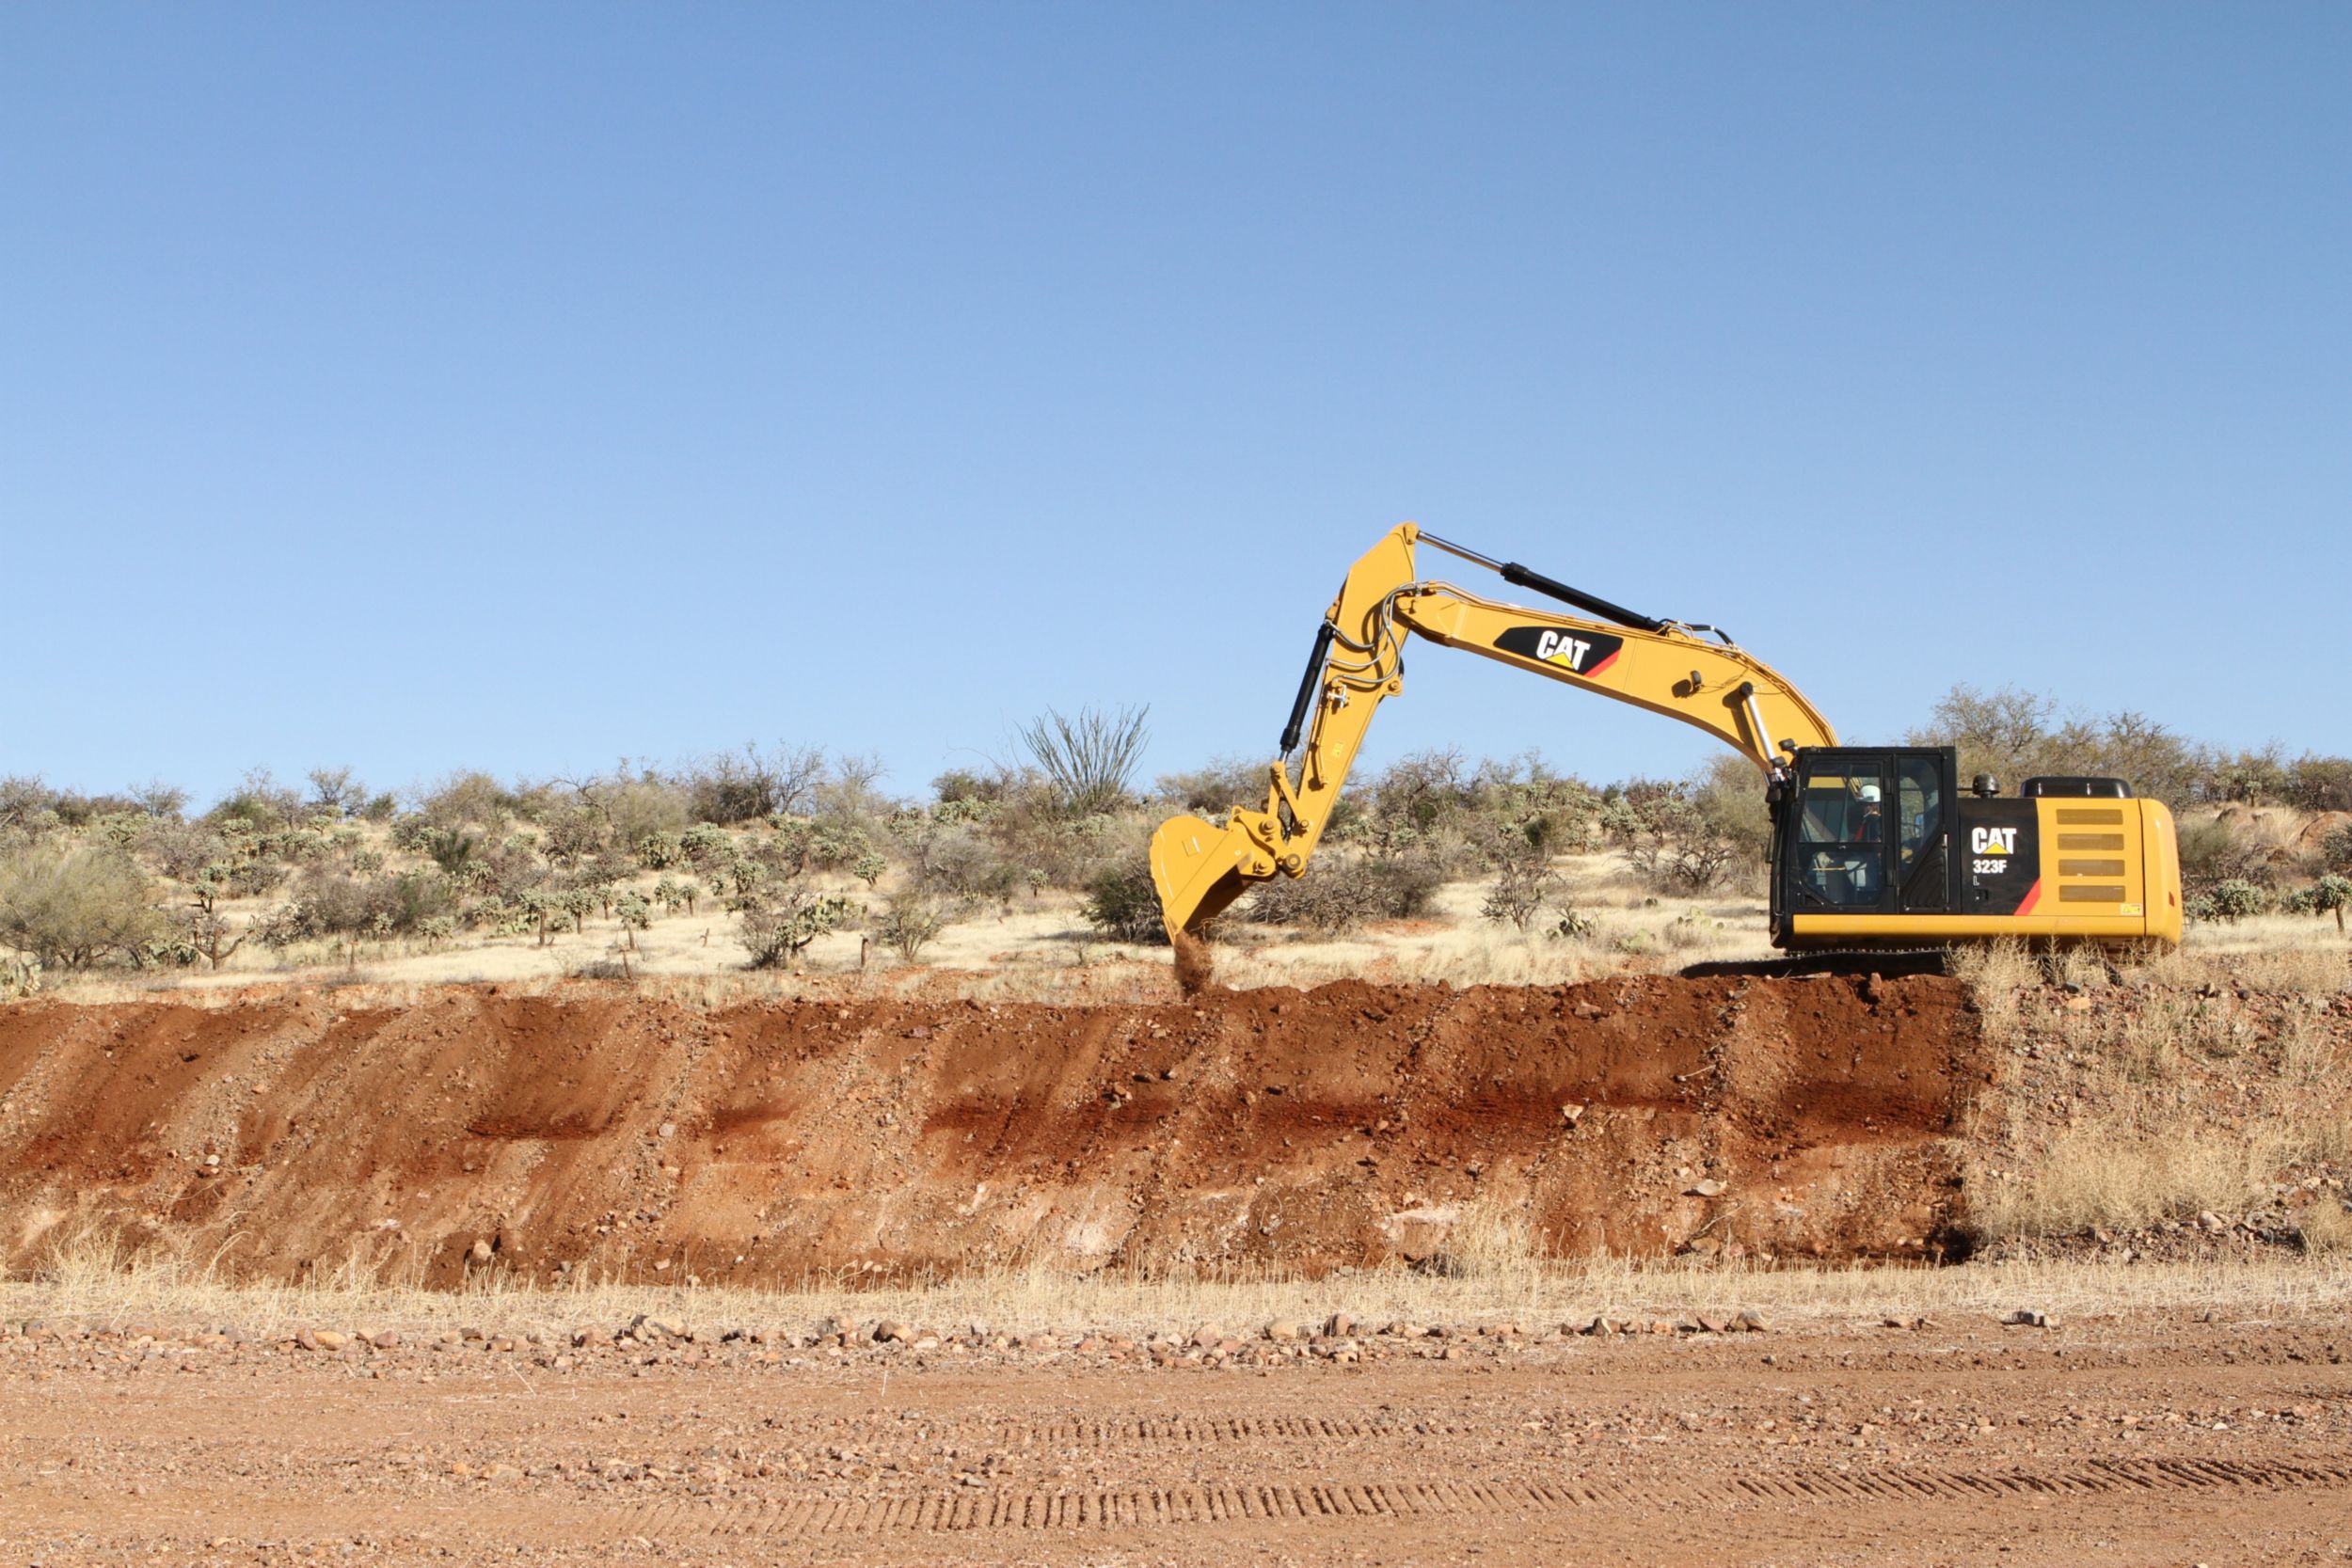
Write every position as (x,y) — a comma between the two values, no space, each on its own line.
(1842,833)
(1918,807)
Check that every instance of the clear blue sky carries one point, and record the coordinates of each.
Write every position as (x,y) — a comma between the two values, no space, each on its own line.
(418,387)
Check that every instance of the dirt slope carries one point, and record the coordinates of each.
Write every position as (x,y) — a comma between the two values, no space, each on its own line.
(1351,1124)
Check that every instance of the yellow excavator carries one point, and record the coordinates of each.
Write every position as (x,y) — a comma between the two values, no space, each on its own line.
(1873,847)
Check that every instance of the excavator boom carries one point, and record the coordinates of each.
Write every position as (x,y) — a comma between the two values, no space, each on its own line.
(1667,666)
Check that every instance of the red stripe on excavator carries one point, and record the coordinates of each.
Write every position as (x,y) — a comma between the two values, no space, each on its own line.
(1602,665)
(2033,896)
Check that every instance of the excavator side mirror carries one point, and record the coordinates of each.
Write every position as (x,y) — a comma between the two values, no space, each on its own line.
(1984,785)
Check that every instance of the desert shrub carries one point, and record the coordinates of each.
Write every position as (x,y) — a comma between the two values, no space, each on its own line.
(2331,895)
(2335,848)
(201,933)
(962,787)
(1574,924)
(636,809)
(2214,851)
(963,864)
(1524,798)
(659,851)
(1090,760)
(329,903)
(779,923)
(303,846)
(571,833)
(633,911)
(1729,795)
(800,842)
(262,803)
(24,806)
(182,850)
(69,909)
(707,845)
(251,878)
(868,867)
(450,848)
(160,798)
(335,793)
(910,919)
(1672,842)
(1031,835)
(2318,783)
(1522,885)
(747,785)
(470,800)
(2231,901)
(1215,789)
(1338,893)
(672,892)
(1121,903)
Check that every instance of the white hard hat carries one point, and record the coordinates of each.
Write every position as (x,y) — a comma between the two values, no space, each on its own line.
(1869,795)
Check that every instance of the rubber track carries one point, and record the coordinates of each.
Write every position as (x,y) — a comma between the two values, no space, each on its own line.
(955,1509)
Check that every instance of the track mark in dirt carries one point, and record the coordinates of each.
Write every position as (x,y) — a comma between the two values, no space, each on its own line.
(1276,1503)
(1186,1432)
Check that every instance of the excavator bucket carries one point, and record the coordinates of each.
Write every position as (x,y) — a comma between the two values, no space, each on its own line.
(1199,869)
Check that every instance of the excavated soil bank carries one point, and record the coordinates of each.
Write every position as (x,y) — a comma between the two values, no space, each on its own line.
(642,1138)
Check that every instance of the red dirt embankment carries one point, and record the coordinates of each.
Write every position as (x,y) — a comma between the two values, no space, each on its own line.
(1351,1124)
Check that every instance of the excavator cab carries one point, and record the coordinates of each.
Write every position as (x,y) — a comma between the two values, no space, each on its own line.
(1864,831)
(1880,846)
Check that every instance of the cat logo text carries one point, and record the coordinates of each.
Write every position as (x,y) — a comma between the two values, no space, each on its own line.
(1992,848)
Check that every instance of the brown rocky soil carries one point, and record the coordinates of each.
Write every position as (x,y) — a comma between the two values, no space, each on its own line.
(603,1129)
(2156,1438)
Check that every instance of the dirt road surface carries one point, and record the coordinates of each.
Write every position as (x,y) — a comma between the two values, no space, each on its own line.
(2157,1439)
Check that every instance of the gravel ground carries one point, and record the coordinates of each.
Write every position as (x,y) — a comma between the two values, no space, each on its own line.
(2149,1437)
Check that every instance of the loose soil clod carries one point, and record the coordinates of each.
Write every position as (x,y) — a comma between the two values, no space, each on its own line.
(1195,964)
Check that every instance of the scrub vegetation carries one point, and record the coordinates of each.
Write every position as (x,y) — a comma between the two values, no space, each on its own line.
(789,856)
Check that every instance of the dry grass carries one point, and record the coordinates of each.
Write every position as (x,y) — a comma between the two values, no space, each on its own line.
(2188,1081)
(1032,949)
(2142,1161)
(1495,1281)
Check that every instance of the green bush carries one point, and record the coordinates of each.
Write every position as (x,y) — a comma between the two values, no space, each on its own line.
(1215,789)
(2335,848)
(707,845)
(330,904)
(777,926)
(1090,759)
(72,908)
(1524,885)
(659,851)
(1121,903)
(2234,900)
(1341,891)
(970,870)
(1673,841)
(909,920)
(1574,924)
